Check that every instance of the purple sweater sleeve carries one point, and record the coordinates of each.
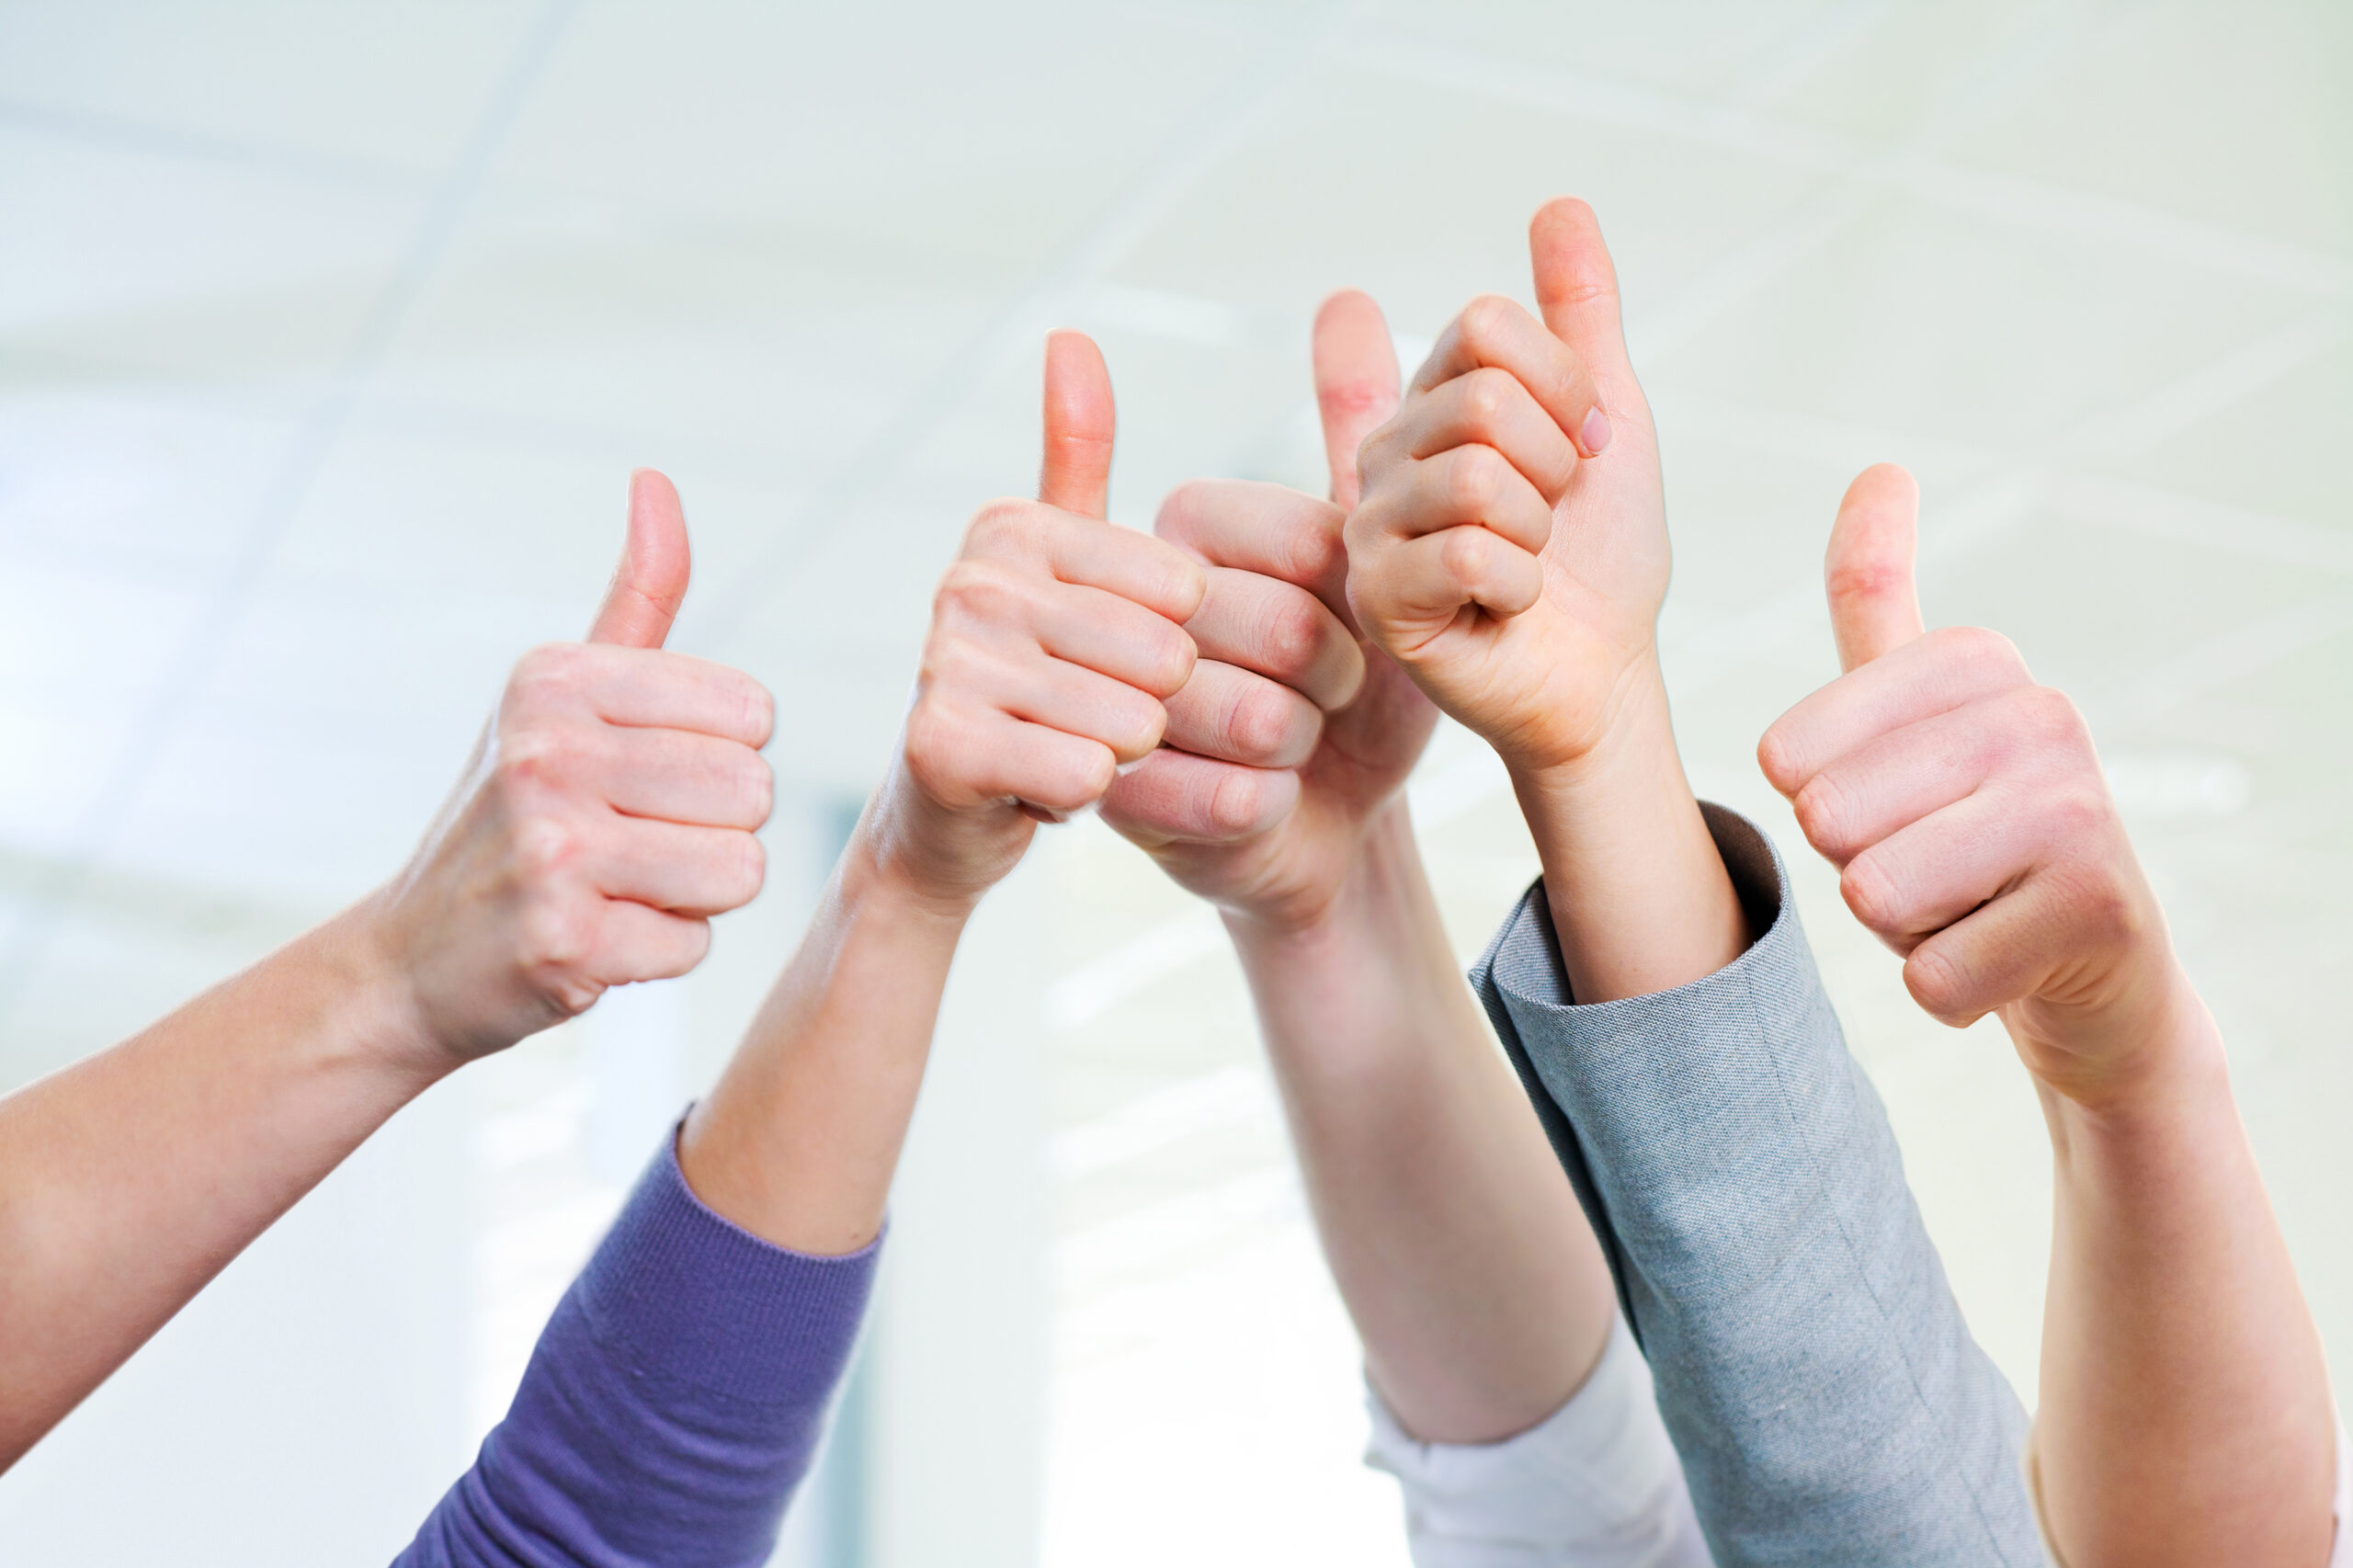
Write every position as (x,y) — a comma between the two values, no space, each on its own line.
(672,1405)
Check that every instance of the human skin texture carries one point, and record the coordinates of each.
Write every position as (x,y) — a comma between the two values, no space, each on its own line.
(2186,1416)
(1056,640)
(1510,554)
(1473,1280)
(606,815)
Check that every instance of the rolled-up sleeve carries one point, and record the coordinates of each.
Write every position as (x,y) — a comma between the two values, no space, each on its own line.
(1812,1364)
(674,1401)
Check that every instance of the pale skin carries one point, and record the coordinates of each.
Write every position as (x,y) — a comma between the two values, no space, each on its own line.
(2185,1412)
(1056,639)
(1510,554)
(608,814)
(1477,1289)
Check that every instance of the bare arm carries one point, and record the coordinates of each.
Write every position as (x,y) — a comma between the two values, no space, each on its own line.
(132,1179)
(1478,1288)
(1055,639)
(1511,553)
(1472,1278)
(2185,1412)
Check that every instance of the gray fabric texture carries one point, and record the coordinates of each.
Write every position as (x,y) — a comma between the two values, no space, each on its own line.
(1811,1362)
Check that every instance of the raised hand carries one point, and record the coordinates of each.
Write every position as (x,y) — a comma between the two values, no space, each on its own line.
(1966,811)
(1290,735)
(608,812)
(1056,639)
(1511,548)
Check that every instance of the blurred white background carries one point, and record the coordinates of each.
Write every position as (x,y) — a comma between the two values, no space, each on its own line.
(328,334)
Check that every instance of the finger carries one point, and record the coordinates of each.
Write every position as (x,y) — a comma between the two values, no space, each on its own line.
(1282,632)
(1253,526)
(2002,952)
(645,686)
(1934,674)
(1079,417)
(1487,407)
(966,753)
(651,582)
(1054,693)
(1473,484)
(1428,578)
(682,777)
(635,942)
(1356,382)
(1177,796)
(1896,778)
(1136,566)
(1874,609)
(1930,873)
(1010,610)
(1576,290)
(1234,715)
(686,870)
(1495,332)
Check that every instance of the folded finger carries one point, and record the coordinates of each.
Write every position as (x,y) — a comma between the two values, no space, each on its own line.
(1929,874)
(649,686)
(686,870)
(1282,632)
(1473,484)
(1427,578)
(1500,334)
(683,777)
(636,941)
(1255,527)
(1090,553)
(1176,797)
(1236,715)
(1488,407)
(1930,674)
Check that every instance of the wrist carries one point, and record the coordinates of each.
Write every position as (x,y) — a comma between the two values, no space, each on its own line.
(387,1029)
(1629,750)
(1378,855)
(2129,1069)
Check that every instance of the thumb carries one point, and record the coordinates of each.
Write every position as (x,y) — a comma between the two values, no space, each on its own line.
(651,581)
(1576,290)
(1868,572)
(1355,383)
(1076,473)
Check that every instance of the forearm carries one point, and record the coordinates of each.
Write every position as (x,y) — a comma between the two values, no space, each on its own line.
(2185,1408)
(800,1139)
(1638,894)
(129,1180)
(1473,1280)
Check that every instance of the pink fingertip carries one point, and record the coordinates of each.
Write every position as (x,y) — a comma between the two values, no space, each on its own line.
(1593,434)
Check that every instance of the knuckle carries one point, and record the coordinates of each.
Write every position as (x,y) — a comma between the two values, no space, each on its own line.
(1485,318)
(1826,811)
(1171,664)
(1487,393)
(1237,800)
(751,868)
(1463,554)
(757,783)
(1984,652)
(1292,635)
(1257,722)
(552,671)
(1474,480)
(1007,522)
(974,591)
(553,939)
(1180,506)
(1939,984)
(758,713)
(1871,892)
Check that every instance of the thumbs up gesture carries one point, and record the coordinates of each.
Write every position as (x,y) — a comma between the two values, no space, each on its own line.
(1511,548)
(1291,735)
(607,813)
(1056,639)
(1972,826)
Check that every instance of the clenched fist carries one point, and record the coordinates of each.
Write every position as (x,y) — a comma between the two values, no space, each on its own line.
(1056,640)
(1290,737)
(1966,811)
(608,812)
(1510,551)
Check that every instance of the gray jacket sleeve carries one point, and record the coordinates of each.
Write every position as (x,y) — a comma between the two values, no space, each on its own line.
(1812,1364)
